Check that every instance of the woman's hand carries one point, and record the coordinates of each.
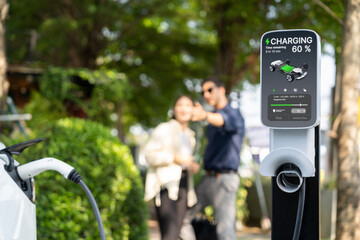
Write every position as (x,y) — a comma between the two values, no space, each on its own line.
(185,160)
(194,167)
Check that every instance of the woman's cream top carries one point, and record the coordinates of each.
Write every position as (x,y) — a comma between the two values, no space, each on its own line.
(166,141)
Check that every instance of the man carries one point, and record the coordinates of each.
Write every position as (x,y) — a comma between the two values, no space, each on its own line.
(219,186)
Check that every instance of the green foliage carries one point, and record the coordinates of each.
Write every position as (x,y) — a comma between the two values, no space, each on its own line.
(43,110)
(164,48)
(242,211)
(66,33)
(165,54)
(61,83)
(106,166)
(147,40)
(330,183)
(79,92)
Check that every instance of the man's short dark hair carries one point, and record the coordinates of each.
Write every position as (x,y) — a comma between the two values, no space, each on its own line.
(213,79)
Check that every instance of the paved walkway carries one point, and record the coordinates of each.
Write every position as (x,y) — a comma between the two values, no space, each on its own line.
(245,234)
(253,234)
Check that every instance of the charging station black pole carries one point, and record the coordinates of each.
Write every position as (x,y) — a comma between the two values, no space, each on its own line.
(290,107)
(284,206)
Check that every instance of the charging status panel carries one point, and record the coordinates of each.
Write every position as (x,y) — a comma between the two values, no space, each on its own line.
(290,63)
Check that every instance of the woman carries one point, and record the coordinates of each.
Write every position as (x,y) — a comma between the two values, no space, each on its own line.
(169,181)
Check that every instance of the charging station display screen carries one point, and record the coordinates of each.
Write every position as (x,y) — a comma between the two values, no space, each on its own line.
(289,107)
(289,78)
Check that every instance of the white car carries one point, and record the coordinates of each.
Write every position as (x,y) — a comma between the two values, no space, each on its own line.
(291,72)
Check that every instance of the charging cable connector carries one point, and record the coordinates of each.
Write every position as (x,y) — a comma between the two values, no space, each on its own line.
(34,168)
(31,169)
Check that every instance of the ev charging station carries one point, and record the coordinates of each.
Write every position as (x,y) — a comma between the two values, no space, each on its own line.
(290,107)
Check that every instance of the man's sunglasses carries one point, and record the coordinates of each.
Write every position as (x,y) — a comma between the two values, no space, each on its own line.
(208,90)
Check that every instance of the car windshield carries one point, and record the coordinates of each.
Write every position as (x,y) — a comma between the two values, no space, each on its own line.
(287,68)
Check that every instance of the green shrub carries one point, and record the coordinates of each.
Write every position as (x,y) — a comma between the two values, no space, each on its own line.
(78,92)
(43,110)
(242,211)
(106,166)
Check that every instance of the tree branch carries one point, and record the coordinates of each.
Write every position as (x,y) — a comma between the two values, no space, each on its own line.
(250,61)
(329,11)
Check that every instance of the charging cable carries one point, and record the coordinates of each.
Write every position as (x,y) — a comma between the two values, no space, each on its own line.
(289,179)
(300,212)
(34,168)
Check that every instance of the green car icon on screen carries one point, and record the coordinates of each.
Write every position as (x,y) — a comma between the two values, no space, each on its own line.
(291,72)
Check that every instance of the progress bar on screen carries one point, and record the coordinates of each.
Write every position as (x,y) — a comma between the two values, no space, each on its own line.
(289,105)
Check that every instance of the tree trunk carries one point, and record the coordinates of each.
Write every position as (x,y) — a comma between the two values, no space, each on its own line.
(348,214)
(4,85)
(228,28)
(119,124)
(228,39)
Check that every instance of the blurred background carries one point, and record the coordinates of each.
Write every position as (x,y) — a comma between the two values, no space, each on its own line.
(95,77)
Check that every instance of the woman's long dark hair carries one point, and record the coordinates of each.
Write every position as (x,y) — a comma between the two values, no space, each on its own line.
(176,100)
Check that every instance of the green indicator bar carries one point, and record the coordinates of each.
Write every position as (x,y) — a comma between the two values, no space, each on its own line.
(281,105)
(287,68)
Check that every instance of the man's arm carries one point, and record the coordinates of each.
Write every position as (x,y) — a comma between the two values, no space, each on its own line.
(199,114)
